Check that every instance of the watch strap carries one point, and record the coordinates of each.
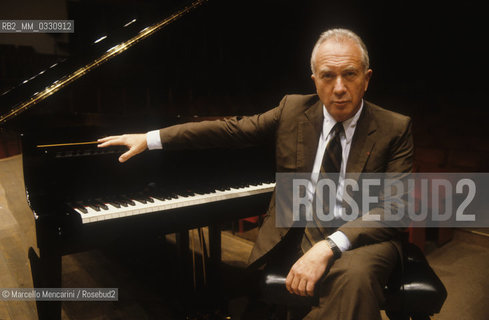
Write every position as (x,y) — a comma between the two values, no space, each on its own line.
(336,250)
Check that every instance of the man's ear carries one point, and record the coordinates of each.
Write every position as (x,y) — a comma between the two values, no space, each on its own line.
(368,75)
(313,77)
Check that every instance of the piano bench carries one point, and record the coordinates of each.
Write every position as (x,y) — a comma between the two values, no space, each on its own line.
(414,291)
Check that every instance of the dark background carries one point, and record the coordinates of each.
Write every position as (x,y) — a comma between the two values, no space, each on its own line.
(240,57)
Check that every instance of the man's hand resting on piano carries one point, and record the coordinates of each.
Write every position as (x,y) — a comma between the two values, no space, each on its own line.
(135,142)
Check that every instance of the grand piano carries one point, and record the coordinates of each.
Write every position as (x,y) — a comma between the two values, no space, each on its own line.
(81,196)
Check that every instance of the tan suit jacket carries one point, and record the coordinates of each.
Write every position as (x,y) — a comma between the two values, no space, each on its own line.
(382,142)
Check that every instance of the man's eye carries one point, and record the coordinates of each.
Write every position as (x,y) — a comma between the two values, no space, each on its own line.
(327,76)
(350,74)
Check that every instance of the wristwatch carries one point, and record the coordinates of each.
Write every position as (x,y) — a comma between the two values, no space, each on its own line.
(334,248)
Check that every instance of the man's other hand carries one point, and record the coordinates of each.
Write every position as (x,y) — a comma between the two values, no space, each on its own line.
(135,142)
(307,271)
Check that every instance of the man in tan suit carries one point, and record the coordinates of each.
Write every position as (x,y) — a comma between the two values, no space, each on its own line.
(360,257)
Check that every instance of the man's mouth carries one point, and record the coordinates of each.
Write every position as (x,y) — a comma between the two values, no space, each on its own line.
(340,102)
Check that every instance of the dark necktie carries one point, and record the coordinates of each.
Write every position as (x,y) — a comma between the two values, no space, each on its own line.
(330,168)
(333,154)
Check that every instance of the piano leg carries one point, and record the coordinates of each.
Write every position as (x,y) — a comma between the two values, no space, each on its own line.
(191,299)
(184,271)
(46,273)
(215,259)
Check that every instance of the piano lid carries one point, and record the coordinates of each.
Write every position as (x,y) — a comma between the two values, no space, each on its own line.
(65,72)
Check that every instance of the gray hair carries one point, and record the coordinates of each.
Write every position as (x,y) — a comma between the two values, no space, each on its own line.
(340,35)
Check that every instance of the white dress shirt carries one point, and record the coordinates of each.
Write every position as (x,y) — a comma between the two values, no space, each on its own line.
(154,142)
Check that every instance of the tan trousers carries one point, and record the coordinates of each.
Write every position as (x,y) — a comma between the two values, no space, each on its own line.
(353,287)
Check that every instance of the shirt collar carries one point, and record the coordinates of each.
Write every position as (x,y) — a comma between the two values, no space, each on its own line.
(348,125)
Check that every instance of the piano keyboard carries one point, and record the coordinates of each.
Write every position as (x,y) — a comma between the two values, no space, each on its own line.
(107,209)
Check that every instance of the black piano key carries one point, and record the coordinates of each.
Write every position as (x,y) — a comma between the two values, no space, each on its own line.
(138,199)
(118,201)
(82,209)
(124,204)
(187,193)
(224,188)
(101,204)
(96,204)
(172,195)
(115,204)
(167,197)
(94,207)
(131,202)
(160,197)
(77,206)
(111,201)
(128,200)
(145,195)
(81,206)
(159,194)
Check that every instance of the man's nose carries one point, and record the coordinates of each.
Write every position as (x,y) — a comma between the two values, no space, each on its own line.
(339,87)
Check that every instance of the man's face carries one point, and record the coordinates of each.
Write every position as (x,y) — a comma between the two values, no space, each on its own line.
(340,77)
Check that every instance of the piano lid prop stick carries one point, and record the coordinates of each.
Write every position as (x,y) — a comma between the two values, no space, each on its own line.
(66,144)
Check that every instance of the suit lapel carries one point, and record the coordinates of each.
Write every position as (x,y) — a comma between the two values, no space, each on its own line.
(362,143)
(309,130)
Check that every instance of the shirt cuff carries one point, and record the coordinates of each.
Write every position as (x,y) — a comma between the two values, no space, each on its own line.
(153,140)
(341,240)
